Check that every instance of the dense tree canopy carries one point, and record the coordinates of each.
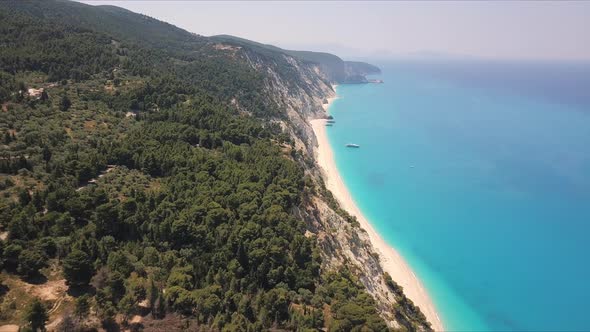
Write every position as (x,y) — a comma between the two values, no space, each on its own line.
(137,175)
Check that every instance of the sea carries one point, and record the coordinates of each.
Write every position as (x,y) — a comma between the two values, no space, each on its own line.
(478,173)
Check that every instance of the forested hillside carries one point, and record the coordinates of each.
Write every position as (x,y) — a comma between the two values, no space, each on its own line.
(336,69)
(145,184)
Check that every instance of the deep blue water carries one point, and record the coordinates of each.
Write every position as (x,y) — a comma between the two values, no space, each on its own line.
(479,174)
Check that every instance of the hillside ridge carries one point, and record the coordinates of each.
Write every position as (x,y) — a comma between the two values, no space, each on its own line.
(159,180)
(337,70)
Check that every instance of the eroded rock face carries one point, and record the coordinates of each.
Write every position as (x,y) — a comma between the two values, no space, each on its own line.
(301,89)
(302,96)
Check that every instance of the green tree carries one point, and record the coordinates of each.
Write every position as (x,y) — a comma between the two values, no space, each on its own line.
(78,269)
(7,138)
(65,103)
(159,306)
(2,257)
(30,261)
(36,315)
(44,96)
(24,197)
(46,154)
(82,306)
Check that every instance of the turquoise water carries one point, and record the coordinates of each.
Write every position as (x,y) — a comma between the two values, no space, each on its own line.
(479,175)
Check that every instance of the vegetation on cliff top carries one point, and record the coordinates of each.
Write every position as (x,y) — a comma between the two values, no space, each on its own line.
(335,68)
(133,179)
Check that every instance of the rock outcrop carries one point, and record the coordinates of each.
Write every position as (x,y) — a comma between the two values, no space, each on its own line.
(344,243)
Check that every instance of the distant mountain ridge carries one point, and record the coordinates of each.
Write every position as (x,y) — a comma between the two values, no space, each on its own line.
(132,27)
(337,70)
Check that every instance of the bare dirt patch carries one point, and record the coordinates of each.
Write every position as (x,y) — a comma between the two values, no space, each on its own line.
(51,290)
(53,293)
(9,328)
(225,47)
(135,319)
(89,125)
(327,315)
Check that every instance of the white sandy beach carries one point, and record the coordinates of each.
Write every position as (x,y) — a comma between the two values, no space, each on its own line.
(391,260)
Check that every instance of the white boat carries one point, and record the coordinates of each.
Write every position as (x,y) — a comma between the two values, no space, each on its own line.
(351,145)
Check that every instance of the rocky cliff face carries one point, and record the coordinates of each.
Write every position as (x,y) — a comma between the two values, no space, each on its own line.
(301,95)
(344,244)
(332,67)
(356,72)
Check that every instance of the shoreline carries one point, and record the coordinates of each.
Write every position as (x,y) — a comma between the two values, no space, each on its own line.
(391,261)
(330,101)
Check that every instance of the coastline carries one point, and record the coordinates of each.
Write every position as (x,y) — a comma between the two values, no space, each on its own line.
(391,261)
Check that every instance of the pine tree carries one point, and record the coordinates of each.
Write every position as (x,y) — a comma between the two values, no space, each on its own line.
(44,96)
(46,154)
(7,138)
(36,315)
(65,103)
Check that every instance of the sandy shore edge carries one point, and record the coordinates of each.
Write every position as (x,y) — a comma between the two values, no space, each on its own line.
(391,261)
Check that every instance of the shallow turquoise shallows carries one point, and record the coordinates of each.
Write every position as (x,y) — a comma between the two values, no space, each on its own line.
(479,175)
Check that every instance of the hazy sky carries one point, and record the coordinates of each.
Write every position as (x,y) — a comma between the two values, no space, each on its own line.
(528,29)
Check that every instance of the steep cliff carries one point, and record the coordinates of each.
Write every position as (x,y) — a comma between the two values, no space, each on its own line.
(300,96)
(332,67)
(301,88)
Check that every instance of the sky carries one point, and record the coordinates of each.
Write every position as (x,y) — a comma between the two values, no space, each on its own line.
(506,29)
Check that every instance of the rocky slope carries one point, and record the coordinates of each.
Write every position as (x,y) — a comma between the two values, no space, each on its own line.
(331,66)
(344,243)
(301,96)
